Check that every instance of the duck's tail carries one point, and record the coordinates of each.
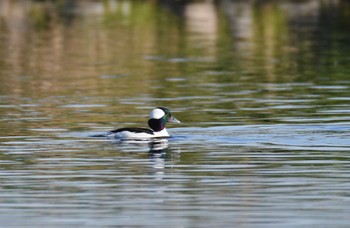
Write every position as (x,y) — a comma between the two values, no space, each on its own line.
(106,134)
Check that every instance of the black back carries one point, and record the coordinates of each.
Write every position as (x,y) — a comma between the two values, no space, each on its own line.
(134,130)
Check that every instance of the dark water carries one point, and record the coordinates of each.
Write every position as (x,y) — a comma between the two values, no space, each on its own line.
(262,90)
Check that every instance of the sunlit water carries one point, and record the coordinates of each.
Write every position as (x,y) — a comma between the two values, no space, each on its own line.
(263,100)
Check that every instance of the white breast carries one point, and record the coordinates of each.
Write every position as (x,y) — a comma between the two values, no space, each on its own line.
(162,133)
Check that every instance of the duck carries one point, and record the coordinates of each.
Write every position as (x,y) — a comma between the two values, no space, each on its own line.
(158,118)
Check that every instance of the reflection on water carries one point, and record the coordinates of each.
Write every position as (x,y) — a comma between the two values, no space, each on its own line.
(261,87)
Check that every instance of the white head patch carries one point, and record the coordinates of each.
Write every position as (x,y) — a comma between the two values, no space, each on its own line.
(156,113)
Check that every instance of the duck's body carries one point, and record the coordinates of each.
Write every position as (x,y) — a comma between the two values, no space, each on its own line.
(138,133)
(157,121)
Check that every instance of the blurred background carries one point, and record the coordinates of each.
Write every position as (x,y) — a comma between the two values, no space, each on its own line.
(159,49)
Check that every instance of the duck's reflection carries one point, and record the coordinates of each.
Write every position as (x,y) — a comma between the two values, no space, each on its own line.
(162,157)
(158,149)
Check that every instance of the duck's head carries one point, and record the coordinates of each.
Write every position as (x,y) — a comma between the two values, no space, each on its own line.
(159,117)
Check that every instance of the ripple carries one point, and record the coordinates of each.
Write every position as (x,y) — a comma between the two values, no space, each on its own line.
(47,129)
(83,105)
(286,137)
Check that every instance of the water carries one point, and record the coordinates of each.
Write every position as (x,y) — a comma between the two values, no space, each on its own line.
(262,91)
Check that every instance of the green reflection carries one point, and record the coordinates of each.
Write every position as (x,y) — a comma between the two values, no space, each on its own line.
(228,62)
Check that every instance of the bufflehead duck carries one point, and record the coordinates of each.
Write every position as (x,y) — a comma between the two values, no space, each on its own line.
(157,121)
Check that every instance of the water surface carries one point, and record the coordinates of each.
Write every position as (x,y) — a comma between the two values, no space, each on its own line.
(262,91)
